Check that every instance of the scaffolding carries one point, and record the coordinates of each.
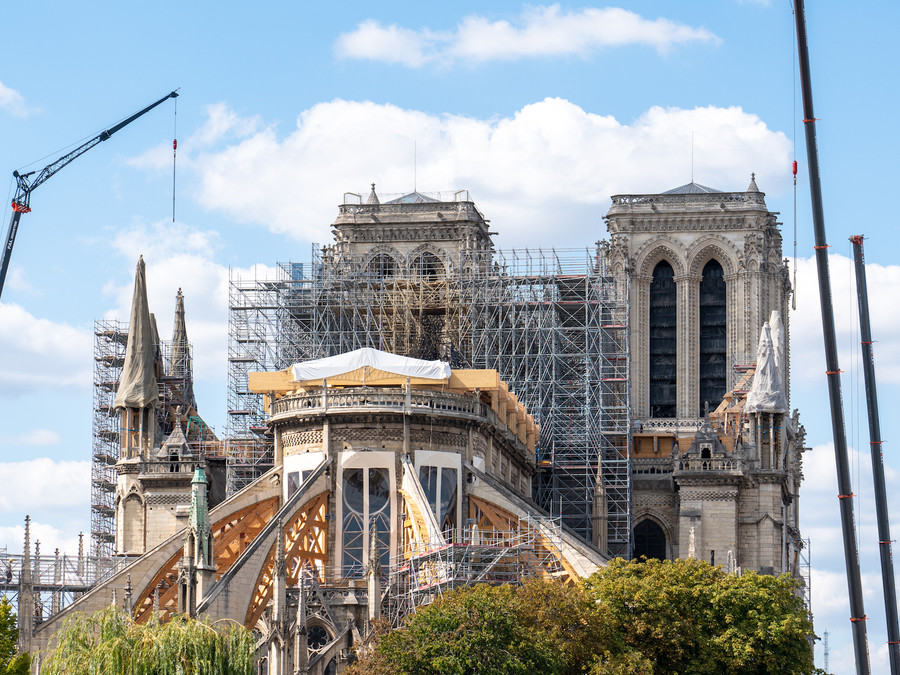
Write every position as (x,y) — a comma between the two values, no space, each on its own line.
(173,374)
(429,568)
(57,580)
(552,322)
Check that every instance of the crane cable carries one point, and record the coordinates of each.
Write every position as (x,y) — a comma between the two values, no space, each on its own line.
(174,152)
(794,165)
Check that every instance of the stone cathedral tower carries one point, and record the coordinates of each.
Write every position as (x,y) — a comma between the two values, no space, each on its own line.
(711,479)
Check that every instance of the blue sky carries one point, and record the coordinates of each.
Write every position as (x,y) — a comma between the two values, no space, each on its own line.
(541,111)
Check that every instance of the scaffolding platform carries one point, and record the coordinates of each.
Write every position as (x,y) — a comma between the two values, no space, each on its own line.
(553,323)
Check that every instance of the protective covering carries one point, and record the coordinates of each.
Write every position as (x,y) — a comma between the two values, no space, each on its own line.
(766,393)
(137,386)
(373,359)
(778,341)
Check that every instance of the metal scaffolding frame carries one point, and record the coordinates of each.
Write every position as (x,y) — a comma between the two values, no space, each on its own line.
(428,569)
(552,322)
(57,579)
(175,390)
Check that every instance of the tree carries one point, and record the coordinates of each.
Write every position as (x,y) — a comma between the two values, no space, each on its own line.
(630,618)
(9,633)
(110,641)
(20,665)
(473,630)
(686,616)
(539,627)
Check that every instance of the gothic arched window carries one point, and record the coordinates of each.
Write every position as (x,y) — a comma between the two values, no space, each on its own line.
(649,540)
(663,317)
(712,335)
(427,266)
(382,266)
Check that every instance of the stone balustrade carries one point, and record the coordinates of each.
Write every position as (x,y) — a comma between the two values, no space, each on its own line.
(720,465)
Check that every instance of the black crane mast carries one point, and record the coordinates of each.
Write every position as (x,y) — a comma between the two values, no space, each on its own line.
(832,370)
(25,184)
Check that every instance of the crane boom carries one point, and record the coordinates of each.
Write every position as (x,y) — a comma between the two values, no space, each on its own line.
(25,185)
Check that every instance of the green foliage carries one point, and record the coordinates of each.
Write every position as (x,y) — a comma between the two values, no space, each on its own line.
(686,616)
(474,631)
(109,641)
(20,665)
(630,618)
(9,633)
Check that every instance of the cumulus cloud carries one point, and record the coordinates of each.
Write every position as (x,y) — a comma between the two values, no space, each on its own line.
(538,32)
(43,483)
(12,537)
(180,256)
(41,354)
(32,438)
(221,124)
(808,356)
(12,101)
(550,166)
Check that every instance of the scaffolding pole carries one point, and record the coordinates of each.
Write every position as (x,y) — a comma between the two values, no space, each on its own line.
(552,322)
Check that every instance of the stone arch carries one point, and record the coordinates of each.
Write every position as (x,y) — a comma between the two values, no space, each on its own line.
(660,248)
(427,262)
(712,247)
(132,509)
(383,262)
(320,632)
(651,538)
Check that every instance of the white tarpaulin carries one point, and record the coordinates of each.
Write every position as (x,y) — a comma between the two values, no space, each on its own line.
(777,329)
(372,358)
(766,393)
(137,385)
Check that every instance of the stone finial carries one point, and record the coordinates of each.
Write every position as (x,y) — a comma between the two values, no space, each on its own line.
(129,602)
(373,198)
(27,550)
(752,187)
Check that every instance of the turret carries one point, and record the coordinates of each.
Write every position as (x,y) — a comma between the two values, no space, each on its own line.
(197,571)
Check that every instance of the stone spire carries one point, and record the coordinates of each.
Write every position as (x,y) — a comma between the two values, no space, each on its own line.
(26,594)
(752,187)
(180,365)
(374,572)
(201,531)
(373,198)
(137,386)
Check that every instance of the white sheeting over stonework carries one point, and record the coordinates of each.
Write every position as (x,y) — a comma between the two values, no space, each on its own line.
(373,358)
(777,329)
(766,393)
(137,386)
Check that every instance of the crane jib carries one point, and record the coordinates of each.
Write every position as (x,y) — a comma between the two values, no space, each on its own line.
(22,199)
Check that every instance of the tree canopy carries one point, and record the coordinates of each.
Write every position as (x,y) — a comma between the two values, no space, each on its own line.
(109,641)
(630,618)
(9,633)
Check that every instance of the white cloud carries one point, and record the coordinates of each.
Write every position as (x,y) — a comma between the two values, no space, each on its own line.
(12,101)
(807,344)
(32,438)
(43,483)
(50,537)
(41,354)
(552,165)
(538,32)
(179,256)
(221,124)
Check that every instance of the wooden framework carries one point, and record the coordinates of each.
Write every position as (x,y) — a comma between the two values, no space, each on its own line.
(492,390)
(231,536)
(490,518)
(305,545)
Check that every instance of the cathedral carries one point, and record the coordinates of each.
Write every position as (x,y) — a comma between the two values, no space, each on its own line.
(415,411)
